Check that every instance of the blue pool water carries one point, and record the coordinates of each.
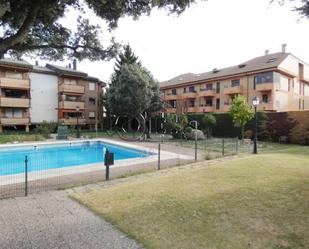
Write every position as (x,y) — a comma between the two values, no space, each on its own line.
(42,157)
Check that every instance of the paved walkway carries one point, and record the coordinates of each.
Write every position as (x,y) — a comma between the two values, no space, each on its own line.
(52,220)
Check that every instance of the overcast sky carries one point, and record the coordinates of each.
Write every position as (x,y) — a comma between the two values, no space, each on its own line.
(212,34)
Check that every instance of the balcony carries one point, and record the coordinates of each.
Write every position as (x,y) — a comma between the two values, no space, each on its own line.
(264,87)
(193,109)
(71,105)
(14,121)
(266,106)
(206,109)
(71,88)
(14,83)
(189,95)
(170,97)
(232,90)
(205,93)
(72,121)
(170,110)
(14,102)
(226,108)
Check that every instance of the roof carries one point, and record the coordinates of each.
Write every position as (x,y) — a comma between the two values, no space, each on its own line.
(16,63)
(45,70)
(258,63)
(66,71)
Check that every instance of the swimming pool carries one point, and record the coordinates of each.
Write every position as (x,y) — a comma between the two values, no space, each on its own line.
(61,155)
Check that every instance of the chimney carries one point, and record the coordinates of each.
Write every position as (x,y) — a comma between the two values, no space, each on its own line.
(266,52)
(36,63)
(74,64)
(283,48)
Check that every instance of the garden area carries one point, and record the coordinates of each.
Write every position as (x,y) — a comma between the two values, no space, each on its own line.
(255,201)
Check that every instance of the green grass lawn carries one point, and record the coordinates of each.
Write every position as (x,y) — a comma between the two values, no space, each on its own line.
(22,137)
(257,201)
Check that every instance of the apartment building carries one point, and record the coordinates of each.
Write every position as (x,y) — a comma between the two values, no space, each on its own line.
(280,80)
(31,94)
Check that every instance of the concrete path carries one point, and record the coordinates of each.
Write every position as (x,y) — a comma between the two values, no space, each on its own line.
(52,220)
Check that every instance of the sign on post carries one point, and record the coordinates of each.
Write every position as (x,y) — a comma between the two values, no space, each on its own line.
(108,160)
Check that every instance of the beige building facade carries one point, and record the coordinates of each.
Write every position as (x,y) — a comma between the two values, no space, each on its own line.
(280,80)
(31,94)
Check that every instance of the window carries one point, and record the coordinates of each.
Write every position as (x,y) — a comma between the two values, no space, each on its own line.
(13,113)
(12,74)
(191,103)
(91,115)
(191,89)
(209,87)
(208,101)
(172,103)
(218,87)
(185,90)
(92,100)
(264,78)
(235,83)
(91,86)
(70,82)
(173,91)
(265,98)
(217,104)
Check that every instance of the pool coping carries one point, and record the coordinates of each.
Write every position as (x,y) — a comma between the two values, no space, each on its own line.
(85,168)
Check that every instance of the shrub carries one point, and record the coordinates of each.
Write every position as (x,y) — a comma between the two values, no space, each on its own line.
(46,128)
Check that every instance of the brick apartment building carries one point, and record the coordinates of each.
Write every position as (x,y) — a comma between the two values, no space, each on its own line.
(280,80)
(31,94)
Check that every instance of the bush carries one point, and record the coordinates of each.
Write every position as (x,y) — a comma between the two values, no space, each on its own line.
(46,128)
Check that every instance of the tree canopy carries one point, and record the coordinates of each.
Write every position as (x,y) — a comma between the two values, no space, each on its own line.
(241,112)
(131,93)
(36,26)
(126,57)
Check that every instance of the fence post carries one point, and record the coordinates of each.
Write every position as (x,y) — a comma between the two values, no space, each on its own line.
(159,156)
(222,146)
(236,144)
(26,175)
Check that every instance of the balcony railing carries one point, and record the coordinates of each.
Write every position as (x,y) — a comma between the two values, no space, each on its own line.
(71,104)
(206,109)
(189,95)
(71,88)
(14,121)
(205,92)
(226,108)
(72,121)
(170,97)
(232,90)
(14,102)
(265,87)
(14,83)
(266,106)
(171,110)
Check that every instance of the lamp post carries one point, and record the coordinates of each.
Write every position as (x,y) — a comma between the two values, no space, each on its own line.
(195,139)
(77,124)
(255,103)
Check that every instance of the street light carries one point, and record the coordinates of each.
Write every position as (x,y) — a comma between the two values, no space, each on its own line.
(195,138)
(255,103)
(77,130)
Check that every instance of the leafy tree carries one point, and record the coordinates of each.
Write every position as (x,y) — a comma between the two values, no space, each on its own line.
(175,124)
(208,122)
(133,92)
(36,26)
(241,112)
(302,6)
